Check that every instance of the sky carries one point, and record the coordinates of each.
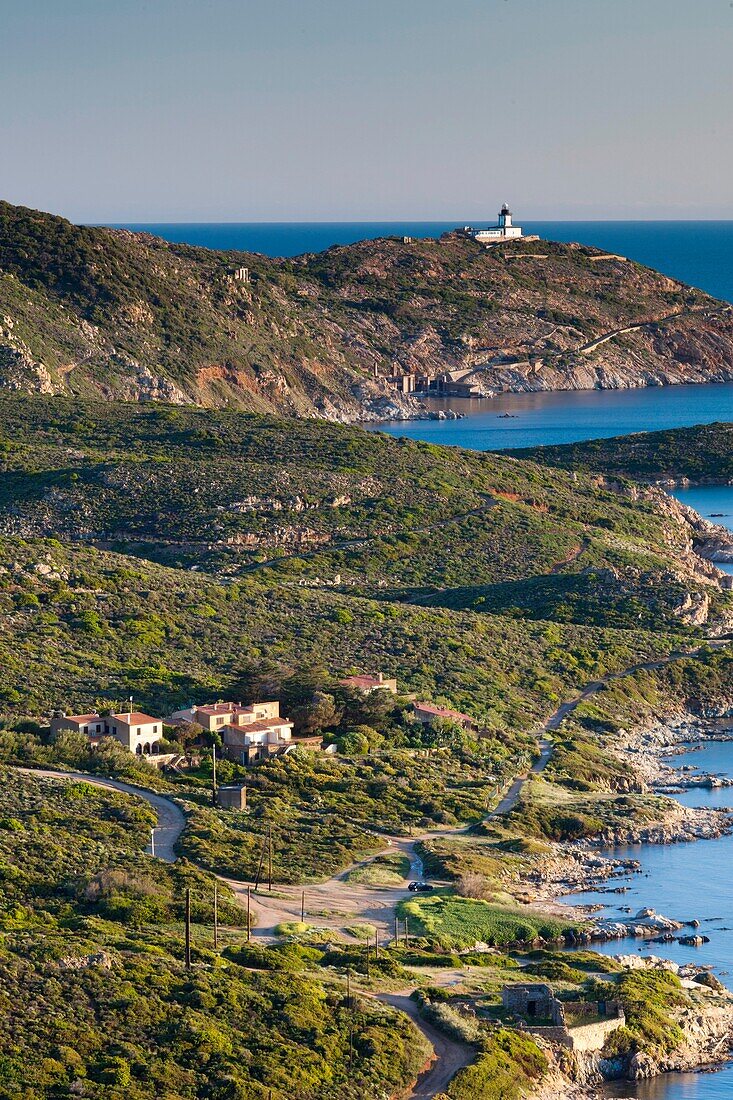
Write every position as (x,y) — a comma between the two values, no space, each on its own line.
(328,110)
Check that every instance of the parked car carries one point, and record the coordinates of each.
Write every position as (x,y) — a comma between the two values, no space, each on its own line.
(420,887)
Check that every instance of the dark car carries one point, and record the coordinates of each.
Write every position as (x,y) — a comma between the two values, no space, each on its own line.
(420,887)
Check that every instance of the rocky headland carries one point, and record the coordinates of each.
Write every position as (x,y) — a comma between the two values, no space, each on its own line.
(113,314)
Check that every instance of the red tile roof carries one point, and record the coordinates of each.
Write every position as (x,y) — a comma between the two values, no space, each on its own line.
(135,718)
(261,726)
(231,708)
(364,681)
(80,718)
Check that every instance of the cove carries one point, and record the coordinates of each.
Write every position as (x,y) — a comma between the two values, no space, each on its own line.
(683,881)
(566,416)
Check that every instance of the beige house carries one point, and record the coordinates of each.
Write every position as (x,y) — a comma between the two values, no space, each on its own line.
(368,684)
(427,713)
(140,733)
(215,716)
(248,733)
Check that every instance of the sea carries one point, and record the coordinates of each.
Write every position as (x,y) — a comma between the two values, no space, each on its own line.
(680,880)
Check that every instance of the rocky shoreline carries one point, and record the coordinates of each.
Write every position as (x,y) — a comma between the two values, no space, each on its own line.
(579,866)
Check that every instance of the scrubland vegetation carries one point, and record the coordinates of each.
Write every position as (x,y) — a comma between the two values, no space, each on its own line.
(181,556)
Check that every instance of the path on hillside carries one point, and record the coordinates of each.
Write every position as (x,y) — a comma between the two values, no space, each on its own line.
(366,540)
(450,1056)
(596,342)
(339,900)
(171,818)
(370,904)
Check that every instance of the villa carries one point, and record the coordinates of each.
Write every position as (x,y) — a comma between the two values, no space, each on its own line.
(248,733)
(140,733)
(367,684)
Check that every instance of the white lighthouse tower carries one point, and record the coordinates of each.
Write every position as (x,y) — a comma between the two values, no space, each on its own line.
(505,219)
(504,230)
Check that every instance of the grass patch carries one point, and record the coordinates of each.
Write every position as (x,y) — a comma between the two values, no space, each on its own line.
(456,922)
(509,1066)
(386,870)
(292,928)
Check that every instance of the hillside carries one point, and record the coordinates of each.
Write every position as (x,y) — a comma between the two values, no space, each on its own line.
(112,314)
(702,455)
(334,509)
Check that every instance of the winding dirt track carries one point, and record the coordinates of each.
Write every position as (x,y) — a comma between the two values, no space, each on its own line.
(171,818)
(449,1056)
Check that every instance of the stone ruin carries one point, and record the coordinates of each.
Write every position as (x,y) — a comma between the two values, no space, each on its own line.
(577,1025)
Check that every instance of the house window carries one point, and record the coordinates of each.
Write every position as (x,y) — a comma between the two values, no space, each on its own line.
(155,729)
(114,729)
(99,728)
(138,731)
(85,729)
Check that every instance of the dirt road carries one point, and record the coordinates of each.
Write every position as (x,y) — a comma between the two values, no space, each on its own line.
(450,1056)
(171,818)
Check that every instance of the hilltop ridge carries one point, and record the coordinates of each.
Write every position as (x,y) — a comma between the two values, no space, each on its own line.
(97,312)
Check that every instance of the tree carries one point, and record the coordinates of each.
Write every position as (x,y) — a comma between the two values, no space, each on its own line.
(374,708)
(353,742)
(186,734)
(318,714)
(444,733)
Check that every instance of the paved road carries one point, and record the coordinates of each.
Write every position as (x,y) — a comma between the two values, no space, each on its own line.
(171,818)
(450,1056)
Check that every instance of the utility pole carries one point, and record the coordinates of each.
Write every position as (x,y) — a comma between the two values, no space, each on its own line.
(188,928)
(376,943)
(302,907)
(216,917)
(249,906)
(407,935)
(213,775)
(269,857)
(262,861)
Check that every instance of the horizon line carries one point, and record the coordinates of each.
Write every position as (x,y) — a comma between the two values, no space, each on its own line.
(458,224)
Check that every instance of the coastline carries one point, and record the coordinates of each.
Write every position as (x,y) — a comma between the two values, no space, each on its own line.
(584,866)
(393,407)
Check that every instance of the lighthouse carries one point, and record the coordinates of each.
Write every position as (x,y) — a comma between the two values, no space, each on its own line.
(504,230)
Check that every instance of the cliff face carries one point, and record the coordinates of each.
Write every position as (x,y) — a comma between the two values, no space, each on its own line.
(109,313)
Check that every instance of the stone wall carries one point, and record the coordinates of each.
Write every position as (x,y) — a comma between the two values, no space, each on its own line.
(589,1037)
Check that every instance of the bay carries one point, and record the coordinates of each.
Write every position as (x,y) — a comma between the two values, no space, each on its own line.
(682,880)
(536,419)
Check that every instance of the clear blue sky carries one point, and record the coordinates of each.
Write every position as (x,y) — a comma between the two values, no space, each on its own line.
(247,110)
